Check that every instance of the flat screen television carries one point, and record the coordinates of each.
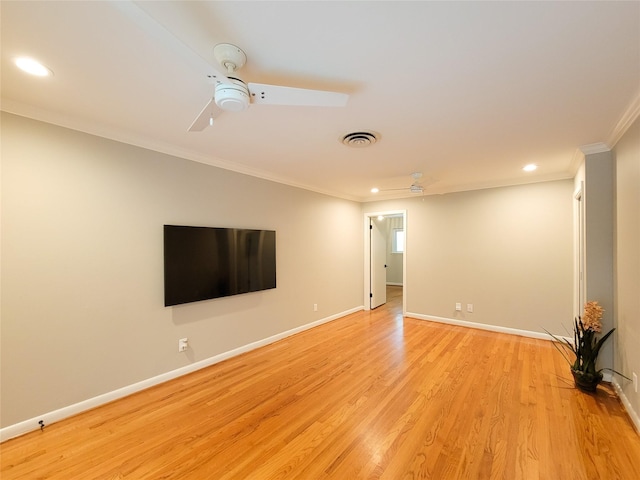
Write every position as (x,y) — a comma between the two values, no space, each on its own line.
(201,263)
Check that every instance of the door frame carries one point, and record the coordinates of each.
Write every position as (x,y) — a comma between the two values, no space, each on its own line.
(378,238)
(579,223)
(367,256)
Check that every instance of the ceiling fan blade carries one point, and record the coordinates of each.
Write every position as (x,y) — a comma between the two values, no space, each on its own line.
(277,95)
(157,31)
(204,118)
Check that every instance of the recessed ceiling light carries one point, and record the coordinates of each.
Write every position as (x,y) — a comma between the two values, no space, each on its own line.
(375,190)
(530,168)
(33,67)
(380,218)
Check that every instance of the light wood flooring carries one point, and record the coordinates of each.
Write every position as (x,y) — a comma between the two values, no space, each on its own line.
(367,396)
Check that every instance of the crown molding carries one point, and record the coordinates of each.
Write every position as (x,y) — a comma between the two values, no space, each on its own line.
(110,133)
(576,161)
(630,115)
(594,148)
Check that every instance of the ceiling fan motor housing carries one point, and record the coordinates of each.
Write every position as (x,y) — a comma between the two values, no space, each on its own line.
(232,97)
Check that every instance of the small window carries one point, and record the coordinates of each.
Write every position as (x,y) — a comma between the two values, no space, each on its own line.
(398,241)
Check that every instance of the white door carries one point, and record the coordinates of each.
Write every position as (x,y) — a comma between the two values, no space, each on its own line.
(378,294)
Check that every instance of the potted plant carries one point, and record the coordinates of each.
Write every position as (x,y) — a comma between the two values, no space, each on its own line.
(586,346)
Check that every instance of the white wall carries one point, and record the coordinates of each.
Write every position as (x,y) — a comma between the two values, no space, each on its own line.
(627,264)
(82,272)
(508,251)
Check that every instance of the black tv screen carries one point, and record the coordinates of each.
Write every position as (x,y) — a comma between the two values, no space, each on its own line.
(201,263)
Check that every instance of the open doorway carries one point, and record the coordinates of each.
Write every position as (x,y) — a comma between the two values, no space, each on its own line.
(385,257)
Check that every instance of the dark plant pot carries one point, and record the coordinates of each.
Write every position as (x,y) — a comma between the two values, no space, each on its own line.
(586,382)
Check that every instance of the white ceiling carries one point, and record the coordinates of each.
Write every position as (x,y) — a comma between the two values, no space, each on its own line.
(466,93)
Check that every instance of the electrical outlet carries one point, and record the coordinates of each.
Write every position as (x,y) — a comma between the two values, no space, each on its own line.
(470,307)
(183,344)
(635,382)
(315,307)
(458,307)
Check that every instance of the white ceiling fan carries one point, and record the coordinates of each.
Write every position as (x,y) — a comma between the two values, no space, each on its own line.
(231,93)
(234,95)
(417,186)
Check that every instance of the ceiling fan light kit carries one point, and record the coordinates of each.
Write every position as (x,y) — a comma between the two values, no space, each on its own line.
(232,97)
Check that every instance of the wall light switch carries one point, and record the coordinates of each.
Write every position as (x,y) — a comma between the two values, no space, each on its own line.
(458,307)
(470,307)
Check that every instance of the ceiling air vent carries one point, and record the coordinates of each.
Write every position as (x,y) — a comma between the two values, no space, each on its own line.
(359,139)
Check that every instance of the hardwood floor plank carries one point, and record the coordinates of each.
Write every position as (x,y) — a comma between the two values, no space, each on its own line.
(368,396)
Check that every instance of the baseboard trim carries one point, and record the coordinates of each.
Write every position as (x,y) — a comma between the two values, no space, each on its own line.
(481,326)
(608,376)
(48,418)
(633,415)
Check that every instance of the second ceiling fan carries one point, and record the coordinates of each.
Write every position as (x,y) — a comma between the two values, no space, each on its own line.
(417,186)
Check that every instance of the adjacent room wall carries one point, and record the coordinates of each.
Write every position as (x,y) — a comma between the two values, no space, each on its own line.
(82,264)
(627,264)
(394,260)
(508,251)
